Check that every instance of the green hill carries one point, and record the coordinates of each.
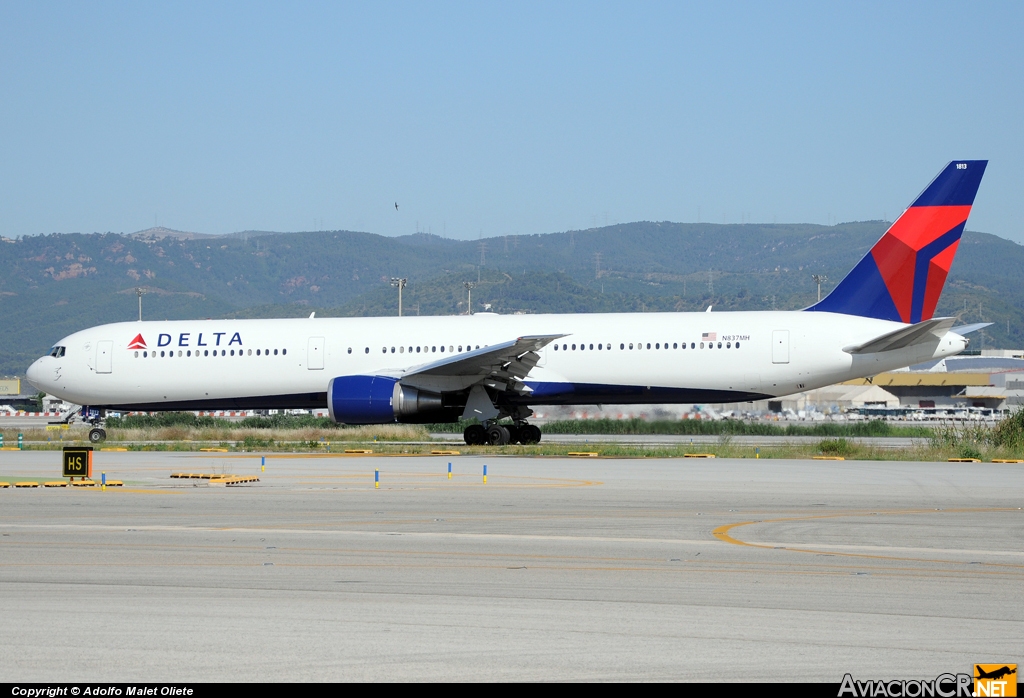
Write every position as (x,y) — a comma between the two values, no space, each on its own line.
(56,284)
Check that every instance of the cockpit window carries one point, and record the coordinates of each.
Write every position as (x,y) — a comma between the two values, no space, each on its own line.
(57,352)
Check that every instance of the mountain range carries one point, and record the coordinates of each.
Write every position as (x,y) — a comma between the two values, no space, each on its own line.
(55,284)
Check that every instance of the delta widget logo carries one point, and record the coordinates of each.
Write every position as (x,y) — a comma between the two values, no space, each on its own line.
(138,343)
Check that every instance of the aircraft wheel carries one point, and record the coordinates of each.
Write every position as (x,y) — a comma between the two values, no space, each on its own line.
(529,434)
(497,435)
(475,435)
(97,435)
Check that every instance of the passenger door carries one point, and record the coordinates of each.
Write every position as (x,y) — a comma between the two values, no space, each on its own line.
(104,356)
(780,347)
(315,354)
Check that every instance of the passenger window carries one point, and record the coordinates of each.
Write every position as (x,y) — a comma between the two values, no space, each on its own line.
(232,352)
(556,347)
(728,345)
(161,355)
(460,347)
(442,348)
(719,345)
(433,349)
(693,345)
(648,345)
(623,346)
(417,350)
(284,351)
(591,347)
(702,345)
(675,345)
(401,350)
(737,345)
(657,346)
(630,345)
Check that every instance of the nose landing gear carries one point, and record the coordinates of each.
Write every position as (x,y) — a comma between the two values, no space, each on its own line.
(96,418)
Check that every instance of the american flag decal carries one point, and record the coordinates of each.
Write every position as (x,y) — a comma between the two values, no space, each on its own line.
(709,336)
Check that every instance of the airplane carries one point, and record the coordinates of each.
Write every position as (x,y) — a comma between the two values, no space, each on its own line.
(995,674)
(494,368)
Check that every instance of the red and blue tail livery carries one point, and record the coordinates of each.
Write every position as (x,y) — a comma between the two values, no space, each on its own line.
(902,276)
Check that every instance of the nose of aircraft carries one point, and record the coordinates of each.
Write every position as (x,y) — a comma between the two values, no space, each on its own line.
(34,374)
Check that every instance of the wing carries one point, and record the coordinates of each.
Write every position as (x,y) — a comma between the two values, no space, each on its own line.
(921,333)
(499,366)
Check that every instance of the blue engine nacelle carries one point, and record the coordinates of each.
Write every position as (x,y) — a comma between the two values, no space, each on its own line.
(361,399)
(379,400)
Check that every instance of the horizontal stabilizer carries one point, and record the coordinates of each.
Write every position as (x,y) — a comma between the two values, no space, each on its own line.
(966,329)
(922,332)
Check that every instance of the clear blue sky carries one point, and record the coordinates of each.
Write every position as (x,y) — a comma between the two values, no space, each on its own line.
(488,118)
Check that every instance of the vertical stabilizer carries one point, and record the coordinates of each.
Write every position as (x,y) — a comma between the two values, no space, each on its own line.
(902,276)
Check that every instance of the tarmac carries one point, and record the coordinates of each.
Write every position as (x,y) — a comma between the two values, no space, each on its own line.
(555,569)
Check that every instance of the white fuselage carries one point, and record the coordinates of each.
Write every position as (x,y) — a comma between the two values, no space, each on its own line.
(618,358)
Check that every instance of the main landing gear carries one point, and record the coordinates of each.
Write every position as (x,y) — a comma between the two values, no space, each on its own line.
(496,434)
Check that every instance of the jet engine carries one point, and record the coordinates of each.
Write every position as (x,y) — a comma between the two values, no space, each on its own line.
(384,400)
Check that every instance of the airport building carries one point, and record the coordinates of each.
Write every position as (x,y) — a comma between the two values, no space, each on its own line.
(988,380)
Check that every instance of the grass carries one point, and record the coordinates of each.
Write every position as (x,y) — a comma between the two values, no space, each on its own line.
(725,448)
(285,433)
(707,427)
